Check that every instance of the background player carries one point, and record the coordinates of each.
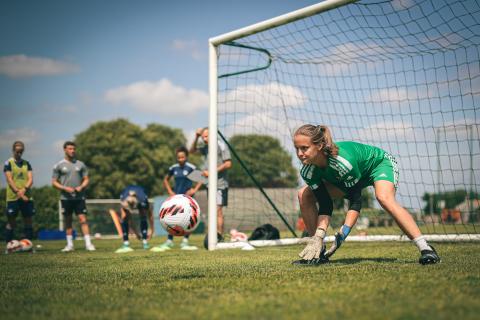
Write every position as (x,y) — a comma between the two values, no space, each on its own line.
(70,176)
(343,170)
(183,185)
(134,198)
(224,163)
(19,177)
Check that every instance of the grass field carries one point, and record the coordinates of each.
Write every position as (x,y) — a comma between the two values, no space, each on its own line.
(363,281)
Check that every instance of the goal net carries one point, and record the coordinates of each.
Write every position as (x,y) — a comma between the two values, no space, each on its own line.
(402,75)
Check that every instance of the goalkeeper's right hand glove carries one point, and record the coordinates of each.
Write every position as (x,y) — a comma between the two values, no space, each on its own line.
(314,246)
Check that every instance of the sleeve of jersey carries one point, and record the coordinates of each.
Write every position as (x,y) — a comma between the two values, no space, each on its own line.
(85,170)
(7,166)
(29,166)
(55,174)
(225,152)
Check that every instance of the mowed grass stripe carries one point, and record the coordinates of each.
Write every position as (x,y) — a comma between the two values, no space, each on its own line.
(363,281)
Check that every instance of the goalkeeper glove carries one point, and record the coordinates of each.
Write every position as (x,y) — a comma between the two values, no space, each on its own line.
(314,246)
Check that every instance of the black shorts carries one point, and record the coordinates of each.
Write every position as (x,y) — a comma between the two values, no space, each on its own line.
(25,207)
(71,206)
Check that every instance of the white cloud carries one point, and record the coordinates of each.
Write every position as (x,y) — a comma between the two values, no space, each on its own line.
(22,66)
(272,95)
(190,47)
(269,123)
(388,131)
(26,135)
(161,97)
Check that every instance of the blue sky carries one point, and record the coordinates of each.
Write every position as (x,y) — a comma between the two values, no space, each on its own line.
(67,64)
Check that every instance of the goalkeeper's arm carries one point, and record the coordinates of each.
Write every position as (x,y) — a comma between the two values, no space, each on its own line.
(355,205)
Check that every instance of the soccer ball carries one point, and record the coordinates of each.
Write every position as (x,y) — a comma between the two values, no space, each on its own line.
(179,215)
(26,244)
(14,246)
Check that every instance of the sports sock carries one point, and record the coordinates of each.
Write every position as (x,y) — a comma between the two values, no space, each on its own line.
(125,229)
(144,228)
(186,236)
(9,233)
(126,243)
(170,237)
(421,243)
(69,240)
(88,241)
(28,232)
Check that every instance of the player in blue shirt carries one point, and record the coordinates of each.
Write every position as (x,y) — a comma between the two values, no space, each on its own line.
(134,198)
(183,185)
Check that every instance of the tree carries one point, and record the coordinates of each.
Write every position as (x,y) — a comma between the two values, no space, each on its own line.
(119,153)
(270,164)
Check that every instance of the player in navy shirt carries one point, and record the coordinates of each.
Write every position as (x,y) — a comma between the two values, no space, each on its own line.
(183,185)
(134,198)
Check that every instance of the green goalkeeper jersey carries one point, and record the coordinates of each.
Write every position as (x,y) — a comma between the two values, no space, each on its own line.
(356,165)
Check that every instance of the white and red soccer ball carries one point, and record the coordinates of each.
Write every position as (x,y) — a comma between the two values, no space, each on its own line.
(19,245)
(179,215)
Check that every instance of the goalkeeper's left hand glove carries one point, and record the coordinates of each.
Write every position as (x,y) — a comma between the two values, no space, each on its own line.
(335,245)
(314,246)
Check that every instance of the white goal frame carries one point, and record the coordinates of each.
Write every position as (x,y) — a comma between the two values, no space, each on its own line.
(213,44)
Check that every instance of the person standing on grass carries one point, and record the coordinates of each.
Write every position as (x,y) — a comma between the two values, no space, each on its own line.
(183,185)
(224,163)
(70,176)
(134,198)
(343,169)
(19,177)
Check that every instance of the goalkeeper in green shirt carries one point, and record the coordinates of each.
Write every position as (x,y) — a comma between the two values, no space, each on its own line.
(343,169)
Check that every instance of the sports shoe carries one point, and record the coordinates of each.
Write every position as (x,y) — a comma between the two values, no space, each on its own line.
(90,247)
(168,245)
(429,257)
(185,246)
(124,249)
(146,246)
(68,249)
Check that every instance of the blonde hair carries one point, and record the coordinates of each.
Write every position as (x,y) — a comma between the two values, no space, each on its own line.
(321,136)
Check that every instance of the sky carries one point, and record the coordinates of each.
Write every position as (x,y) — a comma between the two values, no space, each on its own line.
(65,65)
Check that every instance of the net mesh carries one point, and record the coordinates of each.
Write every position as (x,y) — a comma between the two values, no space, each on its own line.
(400,75)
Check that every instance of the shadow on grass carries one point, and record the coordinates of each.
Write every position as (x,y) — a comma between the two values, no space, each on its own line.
(358,260)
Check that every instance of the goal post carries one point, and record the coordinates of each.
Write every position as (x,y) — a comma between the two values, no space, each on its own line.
(401,75)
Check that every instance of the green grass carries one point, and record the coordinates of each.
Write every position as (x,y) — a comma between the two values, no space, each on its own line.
(363,281)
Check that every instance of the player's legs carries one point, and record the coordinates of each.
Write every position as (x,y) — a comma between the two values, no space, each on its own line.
(68,221)
(11,213)
(143,212)
(220,220)
(10,227)
(385,194)
(125,216)
(28,210)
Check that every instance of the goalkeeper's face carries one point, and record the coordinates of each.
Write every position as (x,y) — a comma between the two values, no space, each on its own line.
(307,152)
